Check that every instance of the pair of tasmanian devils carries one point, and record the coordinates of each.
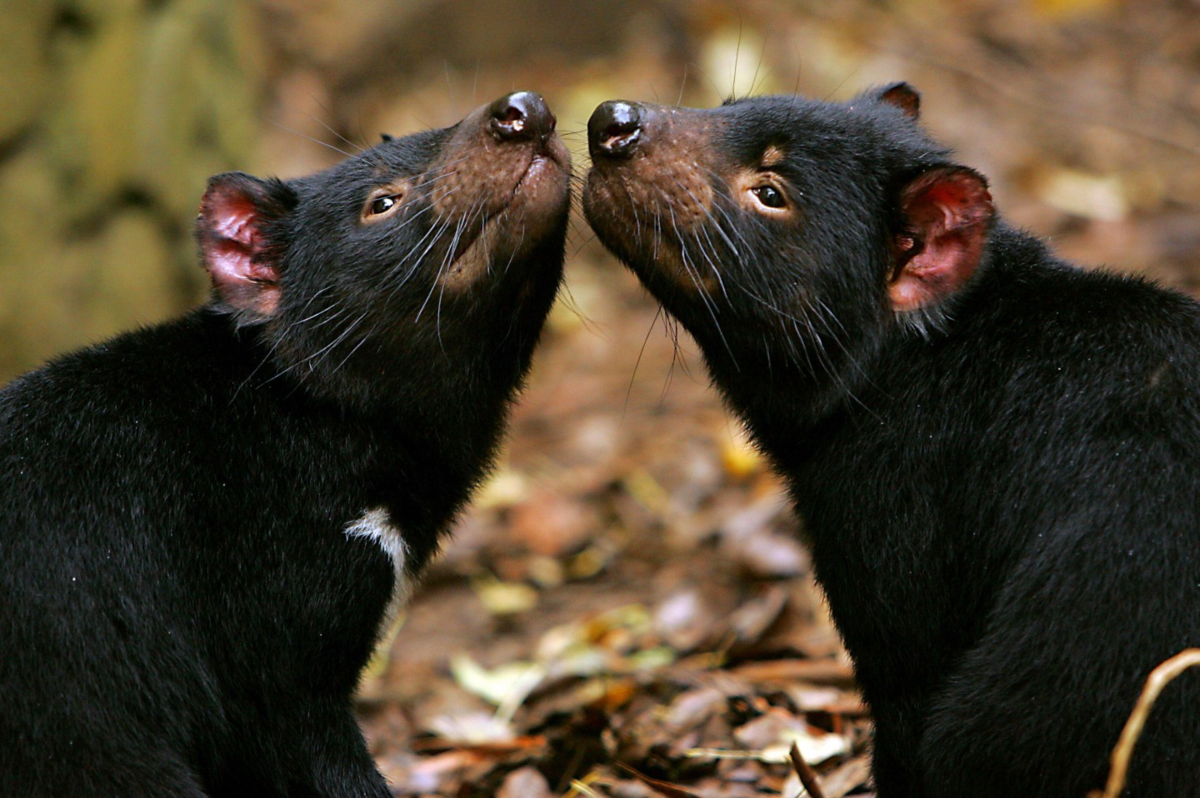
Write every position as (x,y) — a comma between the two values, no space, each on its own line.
(204,525)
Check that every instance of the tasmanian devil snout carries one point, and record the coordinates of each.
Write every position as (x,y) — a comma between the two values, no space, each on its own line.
(205,525)
(992,450)
(614,129)
(521,115)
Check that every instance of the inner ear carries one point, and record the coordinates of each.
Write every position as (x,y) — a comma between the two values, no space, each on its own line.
(946,213)
(233,229)
(902,96)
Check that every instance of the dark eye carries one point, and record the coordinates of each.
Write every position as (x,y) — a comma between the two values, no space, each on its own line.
(383,204)
(769,196)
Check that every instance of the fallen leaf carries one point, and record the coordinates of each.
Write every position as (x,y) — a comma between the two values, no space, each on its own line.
(471,728)
(683,621)
(526,782)
(846,777)
(818,671)
(503,684)
(505,598)
(751,620)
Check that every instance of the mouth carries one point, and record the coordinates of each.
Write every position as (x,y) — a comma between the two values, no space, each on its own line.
(661,229)
(648,195)
(508,228)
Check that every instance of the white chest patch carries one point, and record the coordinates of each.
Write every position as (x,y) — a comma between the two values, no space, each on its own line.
(375,525)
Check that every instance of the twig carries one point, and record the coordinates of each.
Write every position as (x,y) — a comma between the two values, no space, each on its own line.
(661,787)
(807,777)
(1159,678)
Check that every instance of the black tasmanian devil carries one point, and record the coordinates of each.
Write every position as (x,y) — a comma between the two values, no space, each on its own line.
(203,524)
(996,454)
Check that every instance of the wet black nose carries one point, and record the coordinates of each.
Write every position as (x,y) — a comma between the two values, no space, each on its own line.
(522,115)
(615,129)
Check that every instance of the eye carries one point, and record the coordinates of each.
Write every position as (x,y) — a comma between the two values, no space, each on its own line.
(769,196)
(383,204)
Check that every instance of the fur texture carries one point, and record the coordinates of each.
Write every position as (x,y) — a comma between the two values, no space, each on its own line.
(994,452)
(188,588)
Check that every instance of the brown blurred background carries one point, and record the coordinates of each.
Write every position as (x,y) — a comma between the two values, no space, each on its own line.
(1084,113)
(624,483)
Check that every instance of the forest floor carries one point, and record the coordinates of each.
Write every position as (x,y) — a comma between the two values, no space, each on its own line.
(626,609)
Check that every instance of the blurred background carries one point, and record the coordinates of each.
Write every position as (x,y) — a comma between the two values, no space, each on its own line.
(1084,113)
(628,524)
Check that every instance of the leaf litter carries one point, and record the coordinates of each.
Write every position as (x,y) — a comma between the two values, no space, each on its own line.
(626,610)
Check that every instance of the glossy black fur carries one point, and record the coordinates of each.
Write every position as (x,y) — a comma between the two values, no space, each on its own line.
(1002,495)
(181,610)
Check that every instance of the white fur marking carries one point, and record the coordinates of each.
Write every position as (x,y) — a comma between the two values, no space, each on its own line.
(375,525)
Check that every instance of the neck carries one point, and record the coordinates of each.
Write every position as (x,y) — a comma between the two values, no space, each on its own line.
(787,397)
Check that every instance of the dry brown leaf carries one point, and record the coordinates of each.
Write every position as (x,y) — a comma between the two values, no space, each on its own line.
(817,671)
(846,777)
(751,620)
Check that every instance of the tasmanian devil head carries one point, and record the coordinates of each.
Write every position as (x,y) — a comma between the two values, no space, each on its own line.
(443,247)
(788,235)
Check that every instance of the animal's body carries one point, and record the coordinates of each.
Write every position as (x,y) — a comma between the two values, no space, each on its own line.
(995,454)
(203,524)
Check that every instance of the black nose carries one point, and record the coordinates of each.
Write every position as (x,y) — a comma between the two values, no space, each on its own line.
(522,115)
(615,129)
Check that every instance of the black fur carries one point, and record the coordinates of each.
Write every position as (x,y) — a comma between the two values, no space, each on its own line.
(1001,487)
(182,612)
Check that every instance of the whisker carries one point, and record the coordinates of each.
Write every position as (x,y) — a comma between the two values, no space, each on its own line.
(638,362)
(444,268)
(704,296)
(311,138)
(357,346)
(762,54)
(437,230)
(704,228)
(737,56)
(432,231)
(350,328)
(682,85)
(459,227)
(567,297)
(322,123)
(513,254)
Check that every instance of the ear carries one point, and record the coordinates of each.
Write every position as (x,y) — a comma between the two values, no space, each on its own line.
(946,215)
(903,96)
(234,230)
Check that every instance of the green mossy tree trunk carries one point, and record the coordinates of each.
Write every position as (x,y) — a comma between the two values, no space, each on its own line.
(112,115)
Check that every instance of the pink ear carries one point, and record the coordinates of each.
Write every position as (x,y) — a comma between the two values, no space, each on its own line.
(241,263)
(947,214)
(904,97)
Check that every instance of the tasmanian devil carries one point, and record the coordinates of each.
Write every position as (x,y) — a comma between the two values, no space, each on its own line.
(996,455)
(203,524)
